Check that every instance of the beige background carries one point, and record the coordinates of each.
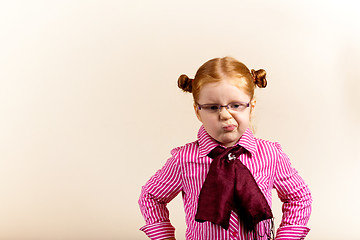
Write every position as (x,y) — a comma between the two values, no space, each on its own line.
(90,109)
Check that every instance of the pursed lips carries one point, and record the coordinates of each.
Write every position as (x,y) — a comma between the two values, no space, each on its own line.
(229,127)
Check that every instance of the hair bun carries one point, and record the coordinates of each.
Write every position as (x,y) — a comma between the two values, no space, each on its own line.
(185,83)
(259,77)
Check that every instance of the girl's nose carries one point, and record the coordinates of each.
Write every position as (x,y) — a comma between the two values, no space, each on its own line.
(224,113)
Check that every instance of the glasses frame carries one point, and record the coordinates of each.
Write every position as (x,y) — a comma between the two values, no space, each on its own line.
(227,106)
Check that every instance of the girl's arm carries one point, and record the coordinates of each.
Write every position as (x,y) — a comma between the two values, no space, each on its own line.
(296,198)
(158,191)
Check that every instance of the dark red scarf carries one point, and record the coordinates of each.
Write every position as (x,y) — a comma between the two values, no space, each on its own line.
(229,185)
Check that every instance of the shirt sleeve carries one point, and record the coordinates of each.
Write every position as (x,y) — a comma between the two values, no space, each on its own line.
(296,198)
(157,192)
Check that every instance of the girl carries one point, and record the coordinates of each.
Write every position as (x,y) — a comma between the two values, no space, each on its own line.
(227,174)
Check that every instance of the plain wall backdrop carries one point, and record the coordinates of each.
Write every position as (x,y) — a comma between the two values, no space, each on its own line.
(90,108)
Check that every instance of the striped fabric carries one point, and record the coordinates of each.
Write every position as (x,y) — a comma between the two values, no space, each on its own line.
(186,171)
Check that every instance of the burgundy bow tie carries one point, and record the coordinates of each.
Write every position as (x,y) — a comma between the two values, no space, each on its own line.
(229,185)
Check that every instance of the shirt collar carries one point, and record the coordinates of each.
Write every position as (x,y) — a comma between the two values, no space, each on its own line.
(207,143)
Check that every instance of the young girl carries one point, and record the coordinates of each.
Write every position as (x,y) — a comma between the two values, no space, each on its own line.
(227,174)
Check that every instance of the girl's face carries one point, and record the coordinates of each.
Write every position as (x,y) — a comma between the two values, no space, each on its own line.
(225,125)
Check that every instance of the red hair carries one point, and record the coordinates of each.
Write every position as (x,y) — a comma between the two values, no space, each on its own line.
(223,69)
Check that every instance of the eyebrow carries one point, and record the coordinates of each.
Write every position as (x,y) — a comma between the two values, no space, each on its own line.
(214,103)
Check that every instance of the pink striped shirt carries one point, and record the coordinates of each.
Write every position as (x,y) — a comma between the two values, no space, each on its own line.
(186,171)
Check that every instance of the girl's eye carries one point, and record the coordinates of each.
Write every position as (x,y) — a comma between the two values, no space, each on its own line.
(213,107)
(236,105)
(210,107)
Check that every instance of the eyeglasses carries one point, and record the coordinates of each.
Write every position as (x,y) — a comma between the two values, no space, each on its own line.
(235,106)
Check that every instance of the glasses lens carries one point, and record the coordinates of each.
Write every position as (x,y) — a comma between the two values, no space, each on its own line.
(210,107)
(238,106)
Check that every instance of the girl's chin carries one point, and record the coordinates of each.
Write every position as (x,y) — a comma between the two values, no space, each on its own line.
(230,142)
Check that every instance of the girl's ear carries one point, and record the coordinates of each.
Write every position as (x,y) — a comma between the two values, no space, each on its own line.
(252,106)
(197,112)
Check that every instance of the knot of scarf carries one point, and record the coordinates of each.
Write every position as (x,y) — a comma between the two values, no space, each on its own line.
(229,185)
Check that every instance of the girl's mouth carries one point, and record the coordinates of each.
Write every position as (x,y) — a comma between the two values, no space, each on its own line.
(229,128)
